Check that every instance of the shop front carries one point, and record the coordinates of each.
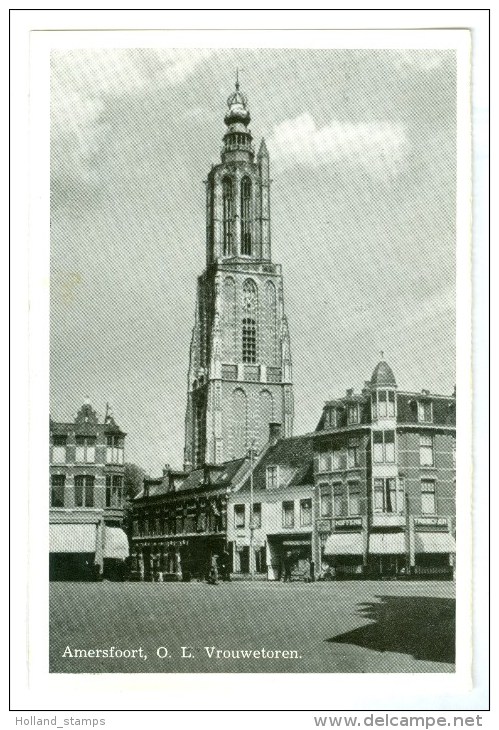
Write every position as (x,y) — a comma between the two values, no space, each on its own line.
(387,554)
(434,548)
(292,553)
(197,553)
(343,556)
(74,551)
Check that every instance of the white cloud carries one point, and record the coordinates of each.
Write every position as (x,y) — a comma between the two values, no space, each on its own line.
(378,148)
(424,60)
(80,81)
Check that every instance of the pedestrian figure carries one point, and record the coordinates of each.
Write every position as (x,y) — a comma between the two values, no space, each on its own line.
(287,568)
(225,566)
(213,574)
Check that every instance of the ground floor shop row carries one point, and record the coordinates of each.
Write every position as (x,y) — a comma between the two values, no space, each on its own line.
(425,551)
(341,554)
(87,551)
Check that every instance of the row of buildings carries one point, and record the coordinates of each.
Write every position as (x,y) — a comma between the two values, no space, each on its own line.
(370,492)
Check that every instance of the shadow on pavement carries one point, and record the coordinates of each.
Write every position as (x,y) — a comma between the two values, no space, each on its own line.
(420,626)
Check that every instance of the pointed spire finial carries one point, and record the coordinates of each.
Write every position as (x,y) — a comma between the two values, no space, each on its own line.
(237,79)
(382,354)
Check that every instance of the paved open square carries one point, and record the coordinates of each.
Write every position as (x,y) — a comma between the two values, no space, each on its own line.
(252,627)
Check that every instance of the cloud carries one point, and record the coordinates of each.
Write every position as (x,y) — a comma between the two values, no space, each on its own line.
(80,82)
(378,148)
(422,60)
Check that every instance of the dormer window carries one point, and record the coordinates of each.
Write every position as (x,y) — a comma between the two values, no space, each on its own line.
(272,480)
(353,413)
(425,411)
(332,418)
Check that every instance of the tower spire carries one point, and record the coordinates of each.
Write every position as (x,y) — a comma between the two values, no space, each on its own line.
(237,79)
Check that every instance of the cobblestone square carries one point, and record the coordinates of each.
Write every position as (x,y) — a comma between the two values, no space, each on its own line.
(357,626)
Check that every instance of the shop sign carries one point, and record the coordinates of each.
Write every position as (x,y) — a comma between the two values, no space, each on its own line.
(356,522)
(323,525)
(430,522)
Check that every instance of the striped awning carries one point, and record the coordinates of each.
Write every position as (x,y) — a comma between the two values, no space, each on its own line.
(115,543)
(73,538)
(387,543)
(344,543)
(434,542)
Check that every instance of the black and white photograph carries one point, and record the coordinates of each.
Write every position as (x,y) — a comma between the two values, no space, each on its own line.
(259,312)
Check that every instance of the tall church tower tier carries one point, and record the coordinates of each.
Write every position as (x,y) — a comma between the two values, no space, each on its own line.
(240,376)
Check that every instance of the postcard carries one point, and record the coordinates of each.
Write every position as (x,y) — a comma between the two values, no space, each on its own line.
(255,258)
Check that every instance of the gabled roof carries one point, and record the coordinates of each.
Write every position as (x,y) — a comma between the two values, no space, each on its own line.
(295,457)
(211,476)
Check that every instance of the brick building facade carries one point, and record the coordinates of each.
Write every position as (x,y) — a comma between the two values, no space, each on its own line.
(384,463)
(86,496)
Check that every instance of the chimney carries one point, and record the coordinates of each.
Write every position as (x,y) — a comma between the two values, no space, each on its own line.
(274,432)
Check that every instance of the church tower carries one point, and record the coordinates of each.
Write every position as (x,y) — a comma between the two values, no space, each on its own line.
(240,376)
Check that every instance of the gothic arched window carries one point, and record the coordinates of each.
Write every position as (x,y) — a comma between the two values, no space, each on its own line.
(250,314)
(246,216)
(249,340)
(228,214)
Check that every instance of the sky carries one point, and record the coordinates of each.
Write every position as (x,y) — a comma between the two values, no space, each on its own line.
(362,154)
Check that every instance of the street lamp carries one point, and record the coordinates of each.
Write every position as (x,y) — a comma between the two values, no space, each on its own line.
(251,520)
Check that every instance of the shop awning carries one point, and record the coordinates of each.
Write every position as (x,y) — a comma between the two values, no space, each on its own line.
(347,543)
(116,543)
(295,543)
(73,538)
(387,543)
(434,542)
